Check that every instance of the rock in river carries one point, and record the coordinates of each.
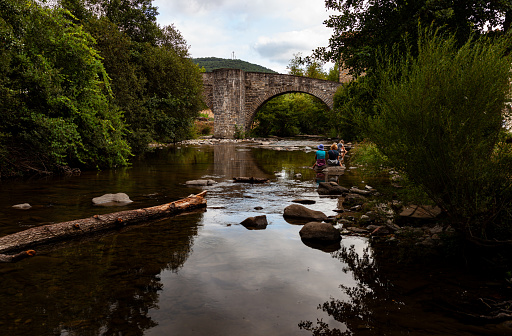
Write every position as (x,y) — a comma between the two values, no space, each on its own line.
(118,199)
(301,212)
(331,188)
(200,182)
(320,231)
(255,223)
(23,206)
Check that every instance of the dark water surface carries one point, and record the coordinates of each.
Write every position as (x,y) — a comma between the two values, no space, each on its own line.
(204,273)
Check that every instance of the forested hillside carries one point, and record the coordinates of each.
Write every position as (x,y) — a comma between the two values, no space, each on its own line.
(212,63)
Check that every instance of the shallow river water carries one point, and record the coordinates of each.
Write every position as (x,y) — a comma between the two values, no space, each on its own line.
(204,273)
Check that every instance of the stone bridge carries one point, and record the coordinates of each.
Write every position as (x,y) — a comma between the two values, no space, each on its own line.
(235,96)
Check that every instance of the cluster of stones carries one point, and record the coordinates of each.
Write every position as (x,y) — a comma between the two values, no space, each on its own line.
(360,214)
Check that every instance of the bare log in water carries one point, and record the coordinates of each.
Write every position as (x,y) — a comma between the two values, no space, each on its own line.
(250,179)
(47,234)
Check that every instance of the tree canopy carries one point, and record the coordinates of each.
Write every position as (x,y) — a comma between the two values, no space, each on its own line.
(362,27)
(87,83)
(55,94)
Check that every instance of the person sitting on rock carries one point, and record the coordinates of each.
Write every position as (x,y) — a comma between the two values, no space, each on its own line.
(334,156)
(342,150)
(320,157)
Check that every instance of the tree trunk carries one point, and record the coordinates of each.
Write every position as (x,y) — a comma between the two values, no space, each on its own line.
(508,21)
(47,234)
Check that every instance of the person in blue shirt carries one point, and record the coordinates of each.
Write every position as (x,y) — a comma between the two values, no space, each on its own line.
(320,157)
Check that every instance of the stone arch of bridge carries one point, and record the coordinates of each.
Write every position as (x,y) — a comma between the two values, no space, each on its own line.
(256,105)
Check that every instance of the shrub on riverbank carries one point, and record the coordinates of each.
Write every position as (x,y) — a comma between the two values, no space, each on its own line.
(441,116)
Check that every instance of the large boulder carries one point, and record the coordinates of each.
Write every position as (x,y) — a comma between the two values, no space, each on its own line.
(301,212)
(331,188)
(320,232)
(118,199)
(255,223)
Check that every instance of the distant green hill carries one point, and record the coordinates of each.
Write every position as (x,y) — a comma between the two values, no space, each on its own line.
(212,63)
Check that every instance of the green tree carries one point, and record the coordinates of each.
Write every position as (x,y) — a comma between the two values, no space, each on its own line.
(441,116)
(154,82)
(353,103)
(315,69)
(55,94)
(173,93)
(292,114)
(334,73)
(365,26)
(295,67)
(135,18)
(306,67)
(121,61)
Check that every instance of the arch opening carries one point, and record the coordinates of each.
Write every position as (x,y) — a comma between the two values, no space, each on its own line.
(289,114)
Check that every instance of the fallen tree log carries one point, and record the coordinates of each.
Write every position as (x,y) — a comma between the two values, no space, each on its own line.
(48,234)
(250,179)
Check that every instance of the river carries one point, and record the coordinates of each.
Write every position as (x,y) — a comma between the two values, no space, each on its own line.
(204,273)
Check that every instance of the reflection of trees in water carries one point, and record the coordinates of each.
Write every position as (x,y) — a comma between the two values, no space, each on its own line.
(232,161)
(271,160)
(104,287)
(369,301)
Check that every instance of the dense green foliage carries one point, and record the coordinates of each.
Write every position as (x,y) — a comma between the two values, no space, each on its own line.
(353,102)
(87,82)
(212,63)
(363,27)
(440,122)
(364,31)
(55,94)
(154,82)
(312,68)
(292,114)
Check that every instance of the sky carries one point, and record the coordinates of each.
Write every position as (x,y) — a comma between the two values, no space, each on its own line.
(264,32)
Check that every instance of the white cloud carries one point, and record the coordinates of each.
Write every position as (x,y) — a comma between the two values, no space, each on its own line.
(281,46)
(264,32)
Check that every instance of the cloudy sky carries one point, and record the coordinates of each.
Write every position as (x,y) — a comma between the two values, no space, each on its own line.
(264,32)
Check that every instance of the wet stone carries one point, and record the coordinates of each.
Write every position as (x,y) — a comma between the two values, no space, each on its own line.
(255,223)
(23,206)
(300,211)
(320,231)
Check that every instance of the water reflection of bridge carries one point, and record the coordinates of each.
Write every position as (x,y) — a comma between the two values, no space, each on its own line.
(234,161)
